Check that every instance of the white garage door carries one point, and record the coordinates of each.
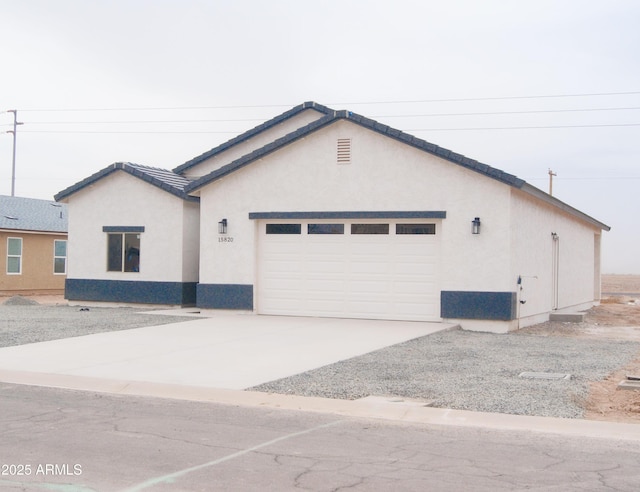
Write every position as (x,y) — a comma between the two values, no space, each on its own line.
(350,269)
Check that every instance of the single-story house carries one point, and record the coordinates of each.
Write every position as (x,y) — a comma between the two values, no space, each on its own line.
(319,212)
(33,243)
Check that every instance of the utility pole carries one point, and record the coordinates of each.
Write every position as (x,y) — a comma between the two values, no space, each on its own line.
(13,162)
(551,175)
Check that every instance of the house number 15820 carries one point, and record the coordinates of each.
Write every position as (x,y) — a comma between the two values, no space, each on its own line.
(225,239)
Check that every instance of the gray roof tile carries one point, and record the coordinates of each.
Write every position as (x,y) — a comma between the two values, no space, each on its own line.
(30,214)
(162,178)
(250,133)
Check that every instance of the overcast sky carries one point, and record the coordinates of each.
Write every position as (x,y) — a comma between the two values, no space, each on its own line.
(523,86)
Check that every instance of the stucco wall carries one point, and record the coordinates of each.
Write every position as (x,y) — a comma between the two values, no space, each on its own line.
(384,175)
(249,145)
(123,200)
(533,223)
(190,241)
(37,264)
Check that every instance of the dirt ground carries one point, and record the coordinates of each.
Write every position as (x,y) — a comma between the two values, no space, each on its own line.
(621,315)
(617,317)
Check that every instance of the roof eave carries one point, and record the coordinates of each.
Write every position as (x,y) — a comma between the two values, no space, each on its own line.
(260,153)
(131,170)
(47,232)
(388,131)
(551,200)
(252,132)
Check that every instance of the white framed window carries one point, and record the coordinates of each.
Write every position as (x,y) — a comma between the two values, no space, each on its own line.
(59,257)
(14,256)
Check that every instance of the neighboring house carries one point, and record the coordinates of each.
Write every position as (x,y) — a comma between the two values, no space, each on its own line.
(33,245)
(327,213)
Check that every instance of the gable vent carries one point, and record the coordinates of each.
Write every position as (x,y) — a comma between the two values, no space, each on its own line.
(344,151)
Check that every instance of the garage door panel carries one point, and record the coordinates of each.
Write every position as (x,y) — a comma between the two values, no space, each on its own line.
(343,275)
(326,268)
(282,284)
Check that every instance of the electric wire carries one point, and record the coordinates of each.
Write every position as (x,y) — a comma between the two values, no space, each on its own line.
(244,120)
(414,130)
(417,101)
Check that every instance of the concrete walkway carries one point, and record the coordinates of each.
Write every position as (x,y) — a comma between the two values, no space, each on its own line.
(224,351)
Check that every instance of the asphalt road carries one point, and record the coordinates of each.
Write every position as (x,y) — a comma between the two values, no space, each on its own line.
(70,441)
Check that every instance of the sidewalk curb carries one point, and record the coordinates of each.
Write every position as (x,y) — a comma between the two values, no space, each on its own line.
(374,407)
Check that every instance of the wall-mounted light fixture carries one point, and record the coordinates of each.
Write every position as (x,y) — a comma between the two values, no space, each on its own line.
(222,226)
(475,226)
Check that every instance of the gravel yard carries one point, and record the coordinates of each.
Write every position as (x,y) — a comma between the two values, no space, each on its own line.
(20,324)
(452,369)
(472,371)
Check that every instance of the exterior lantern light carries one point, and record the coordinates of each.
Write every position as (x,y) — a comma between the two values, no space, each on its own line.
(222,226)
(475,226)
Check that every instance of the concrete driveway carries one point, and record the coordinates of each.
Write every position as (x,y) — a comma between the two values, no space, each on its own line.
(226,350)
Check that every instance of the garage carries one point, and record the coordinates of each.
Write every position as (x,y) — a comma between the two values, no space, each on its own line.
(372,269)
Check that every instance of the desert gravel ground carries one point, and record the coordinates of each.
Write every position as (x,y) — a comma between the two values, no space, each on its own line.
(452,369)
(23,321)
(473,371)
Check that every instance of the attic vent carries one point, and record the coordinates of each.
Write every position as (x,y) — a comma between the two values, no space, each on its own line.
(344,151)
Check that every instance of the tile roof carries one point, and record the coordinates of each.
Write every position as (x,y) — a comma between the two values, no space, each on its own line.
(254,131)
(373,125)
(162,178)
(334,116)
(30,214)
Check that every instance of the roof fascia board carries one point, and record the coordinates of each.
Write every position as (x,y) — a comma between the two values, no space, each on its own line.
(334,116)
(545,197)
(441,152)
(251,133)
(34,231)
(260,153)
(121,166)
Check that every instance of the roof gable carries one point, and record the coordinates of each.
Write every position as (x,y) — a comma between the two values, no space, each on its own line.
(244,137)
(30,214)
(162,178)
(370,124)
(446,154)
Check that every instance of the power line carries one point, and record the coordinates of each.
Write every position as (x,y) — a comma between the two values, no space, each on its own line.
(167,108)
(127,132)
(237,120)
(143,121)
(584,177)
(546,127)
(417,101)
(492,113)
(498,98)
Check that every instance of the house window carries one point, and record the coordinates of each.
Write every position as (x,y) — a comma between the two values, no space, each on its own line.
(369,228)
(284,229)
(325,228)
(123,252)
(59,256)
(14,255)
(415,228)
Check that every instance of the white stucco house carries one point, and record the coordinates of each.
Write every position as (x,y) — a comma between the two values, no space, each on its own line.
(327,213)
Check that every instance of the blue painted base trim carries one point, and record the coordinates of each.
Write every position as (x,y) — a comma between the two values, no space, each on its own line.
(500,306)
(225,296)
(412,214)
(144,292)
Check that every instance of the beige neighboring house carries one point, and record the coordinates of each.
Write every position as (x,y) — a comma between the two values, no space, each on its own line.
(33,246)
